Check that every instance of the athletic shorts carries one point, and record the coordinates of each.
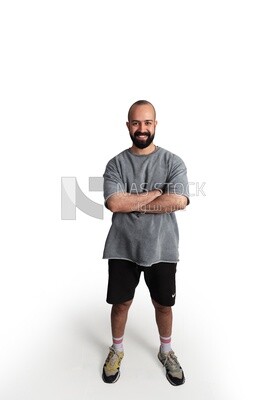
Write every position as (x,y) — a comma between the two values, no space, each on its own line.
(124,277)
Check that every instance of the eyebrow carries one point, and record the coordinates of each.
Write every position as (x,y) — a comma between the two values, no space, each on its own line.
(146,120)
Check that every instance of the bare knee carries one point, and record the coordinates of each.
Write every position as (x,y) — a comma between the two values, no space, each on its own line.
(121,308)
(161,309)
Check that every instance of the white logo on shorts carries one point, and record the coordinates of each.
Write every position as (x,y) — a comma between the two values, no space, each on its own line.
(173,295)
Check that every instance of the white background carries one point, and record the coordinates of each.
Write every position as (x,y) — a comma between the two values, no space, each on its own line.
(69,72)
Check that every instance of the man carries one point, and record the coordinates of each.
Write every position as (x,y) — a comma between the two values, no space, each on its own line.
(143,187)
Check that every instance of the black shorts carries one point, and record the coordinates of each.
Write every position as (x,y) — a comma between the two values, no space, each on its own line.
(124,277)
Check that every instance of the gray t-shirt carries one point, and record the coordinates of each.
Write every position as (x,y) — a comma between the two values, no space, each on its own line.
(145,239)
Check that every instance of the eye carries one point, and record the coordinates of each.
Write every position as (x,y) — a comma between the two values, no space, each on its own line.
(148,122)
(134,123)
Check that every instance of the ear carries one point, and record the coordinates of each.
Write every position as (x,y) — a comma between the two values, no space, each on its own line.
(156,123)
(127,124)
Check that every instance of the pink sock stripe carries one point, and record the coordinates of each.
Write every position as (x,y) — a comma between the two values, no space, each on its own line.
(165,339)
(117,340)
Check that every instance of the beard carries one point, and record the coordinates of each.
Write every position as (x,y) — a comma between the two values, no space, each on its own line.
(142,144)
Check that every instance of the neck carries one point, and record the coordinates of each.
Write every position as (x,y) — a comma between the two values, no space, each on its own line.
(148,150)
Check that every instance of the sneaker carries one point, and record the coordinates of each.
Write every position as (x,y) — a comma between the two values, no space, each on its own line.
(174,372)
(111,369)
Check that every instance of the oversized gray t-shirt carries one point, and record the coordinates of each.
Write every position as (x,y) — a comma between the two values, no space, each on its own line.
(145,239)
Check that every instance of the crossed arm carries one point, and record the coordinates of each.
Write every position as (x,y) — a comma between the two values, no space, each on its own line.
(153,202)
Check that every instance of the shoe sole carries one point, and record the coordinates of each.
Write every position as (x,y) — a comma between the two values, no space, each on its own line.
(169,379)
(103,377)
(175,384)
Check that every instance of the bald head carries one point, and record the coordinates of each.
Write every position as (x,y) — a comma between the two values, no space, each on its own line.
(141,103)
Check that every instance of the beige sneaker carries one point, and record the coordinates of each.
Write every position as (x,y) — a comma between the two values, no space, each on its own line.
(174,372)
(111,369)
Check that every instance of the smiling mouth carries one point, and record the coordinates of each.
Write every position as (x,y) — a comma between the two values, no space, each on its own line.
(143,136)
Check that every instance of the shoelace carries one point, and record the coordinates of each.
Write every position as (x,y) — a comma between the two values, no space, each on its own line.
(171,361)
(113,359)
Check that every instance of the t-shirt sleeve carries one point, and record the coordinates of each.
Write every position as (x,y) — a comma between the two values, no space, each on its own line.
(112,180)
(177,178)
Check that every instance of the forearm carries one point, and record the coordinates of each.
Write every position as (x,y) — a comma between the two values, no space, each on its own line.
(126,202)
(166,203)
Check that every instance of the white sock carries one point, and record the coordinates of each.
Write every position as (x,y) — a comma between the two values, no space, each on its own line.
(165,344)
(118,343)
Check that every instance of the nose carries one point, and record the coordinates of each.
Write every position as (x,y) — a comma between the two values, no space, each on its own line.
(142,127)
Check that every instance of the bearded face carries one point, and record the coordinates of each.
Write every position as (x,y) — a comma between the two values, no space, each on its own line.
(142,126)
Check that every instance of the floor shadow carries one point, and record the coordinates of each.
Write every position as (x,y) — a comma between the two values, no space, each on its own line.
(135,336)
(88,328)
(92,328)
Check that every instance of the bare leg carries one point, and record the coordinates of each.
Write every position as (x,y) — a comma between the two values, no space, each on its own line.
(163,319)
(174,372)
(111,369)
(119,313)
